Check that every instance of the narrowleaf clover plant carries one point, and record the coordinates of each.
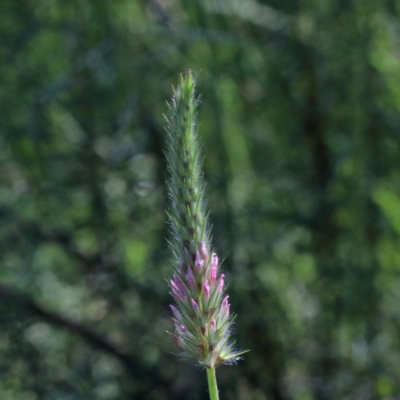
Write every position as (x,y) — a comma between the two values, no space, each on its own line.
(201,309)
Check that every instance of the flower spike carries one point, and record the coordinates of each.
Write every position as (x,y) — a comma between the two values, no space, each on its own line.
(201,312)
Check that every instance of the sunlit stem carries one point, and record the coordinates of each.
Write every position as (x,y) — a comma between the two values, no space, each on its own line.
(212,384)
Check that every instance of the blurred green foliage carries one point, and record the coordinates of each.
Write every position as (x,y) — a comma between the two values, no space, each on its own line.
(300,122)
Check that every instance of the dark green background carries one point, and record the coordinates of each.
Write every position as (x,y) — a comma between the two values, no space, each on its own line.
(300,123)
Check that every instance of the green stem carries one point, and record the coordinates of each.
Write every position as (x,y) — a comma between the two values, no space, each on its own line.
(212,384)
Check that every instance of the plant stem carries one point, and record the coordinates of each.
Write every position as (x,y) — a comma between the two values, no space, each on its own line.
(212,384)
